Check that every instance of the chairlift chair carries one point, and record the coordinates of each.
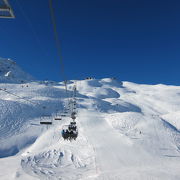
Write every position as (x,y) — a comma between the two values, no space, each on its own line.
(46,123)
(73,135)
(46,120)
(70,132)
(73,123)
(57,118)
(72,127)
(6,10)
(65,132)
(73,115)
(63,115)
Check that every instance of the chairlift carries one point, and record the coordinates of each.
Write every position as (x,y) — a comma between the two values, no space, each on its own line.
(46,123)
(46,120)
(6,10)
(73,115)
(63,115)
(57,118)
(70,132)
(72,126)
(73,123)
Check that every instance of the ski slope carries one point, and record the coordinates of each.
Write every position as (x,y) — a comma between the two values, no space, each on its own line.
(126,130)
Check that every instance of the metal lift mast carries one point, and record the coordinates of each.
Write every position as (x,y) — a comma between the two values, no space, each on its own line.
(6,10)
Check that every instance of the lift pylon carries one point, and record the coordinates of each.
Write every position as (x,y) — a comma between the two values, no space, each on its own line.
(6,10)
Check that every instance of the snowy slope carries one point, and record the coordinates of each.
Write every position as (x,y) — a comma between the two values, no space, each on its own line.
(126,131)
(11,72)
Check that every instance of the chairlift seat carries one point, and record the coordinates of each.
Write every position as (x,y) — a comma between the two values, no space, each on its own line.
(6,10)
(46,120)
(69,132)
(73,123)
(73,113)
(73,117)
(57,119)
(46,123)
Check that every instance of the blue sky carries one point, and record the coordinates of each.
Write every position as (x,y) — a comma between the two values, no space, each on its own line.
(133,40)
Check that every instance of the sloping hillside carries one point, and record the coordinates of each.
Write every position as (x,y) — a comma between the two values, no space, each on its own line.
(126,131)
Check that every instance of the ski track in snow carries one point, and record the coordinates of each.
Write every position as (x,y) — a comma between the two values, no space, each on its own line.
(126,131)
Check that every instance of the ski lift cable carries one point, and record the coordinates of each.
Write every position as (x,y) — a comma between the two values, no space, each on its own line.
(8,92)
(30,24)
(43,107)
(31,27)
(58,44)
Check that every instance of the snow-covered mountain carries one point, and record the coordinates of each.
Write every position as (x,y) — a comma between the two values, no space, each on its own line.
(11,72)
(127,131)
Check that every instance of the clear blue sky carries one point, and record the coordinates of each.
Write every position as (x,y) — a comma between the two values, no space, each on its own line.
(133,40)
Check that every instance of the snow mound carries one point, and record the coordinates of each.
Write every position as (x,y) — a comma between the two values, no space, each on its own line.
(111,82)
(54,158)
(96,88)
(173,118)
(11,72)
(127,122)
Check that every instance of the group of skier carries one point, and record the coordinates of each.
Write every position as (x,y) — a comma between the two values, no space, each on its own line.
(70,133)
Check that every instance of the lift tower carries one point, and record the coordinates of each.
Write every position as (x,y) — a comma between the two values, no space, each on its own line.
(6,10)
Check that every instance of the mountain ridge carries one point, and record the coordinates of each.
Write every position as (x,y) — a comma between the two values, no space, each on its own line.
(11,72)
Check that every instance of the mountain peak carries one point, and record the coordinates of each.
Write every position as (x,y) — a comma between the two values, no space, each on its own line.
(11,72)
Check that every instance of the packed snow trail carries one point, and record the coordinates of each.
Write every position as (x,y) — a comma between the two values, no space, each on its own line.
(117,154)
(110,158)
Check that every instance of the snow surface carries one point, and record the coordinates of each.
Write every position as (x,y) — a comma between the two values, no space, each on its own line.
(10,72)
(126,130)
